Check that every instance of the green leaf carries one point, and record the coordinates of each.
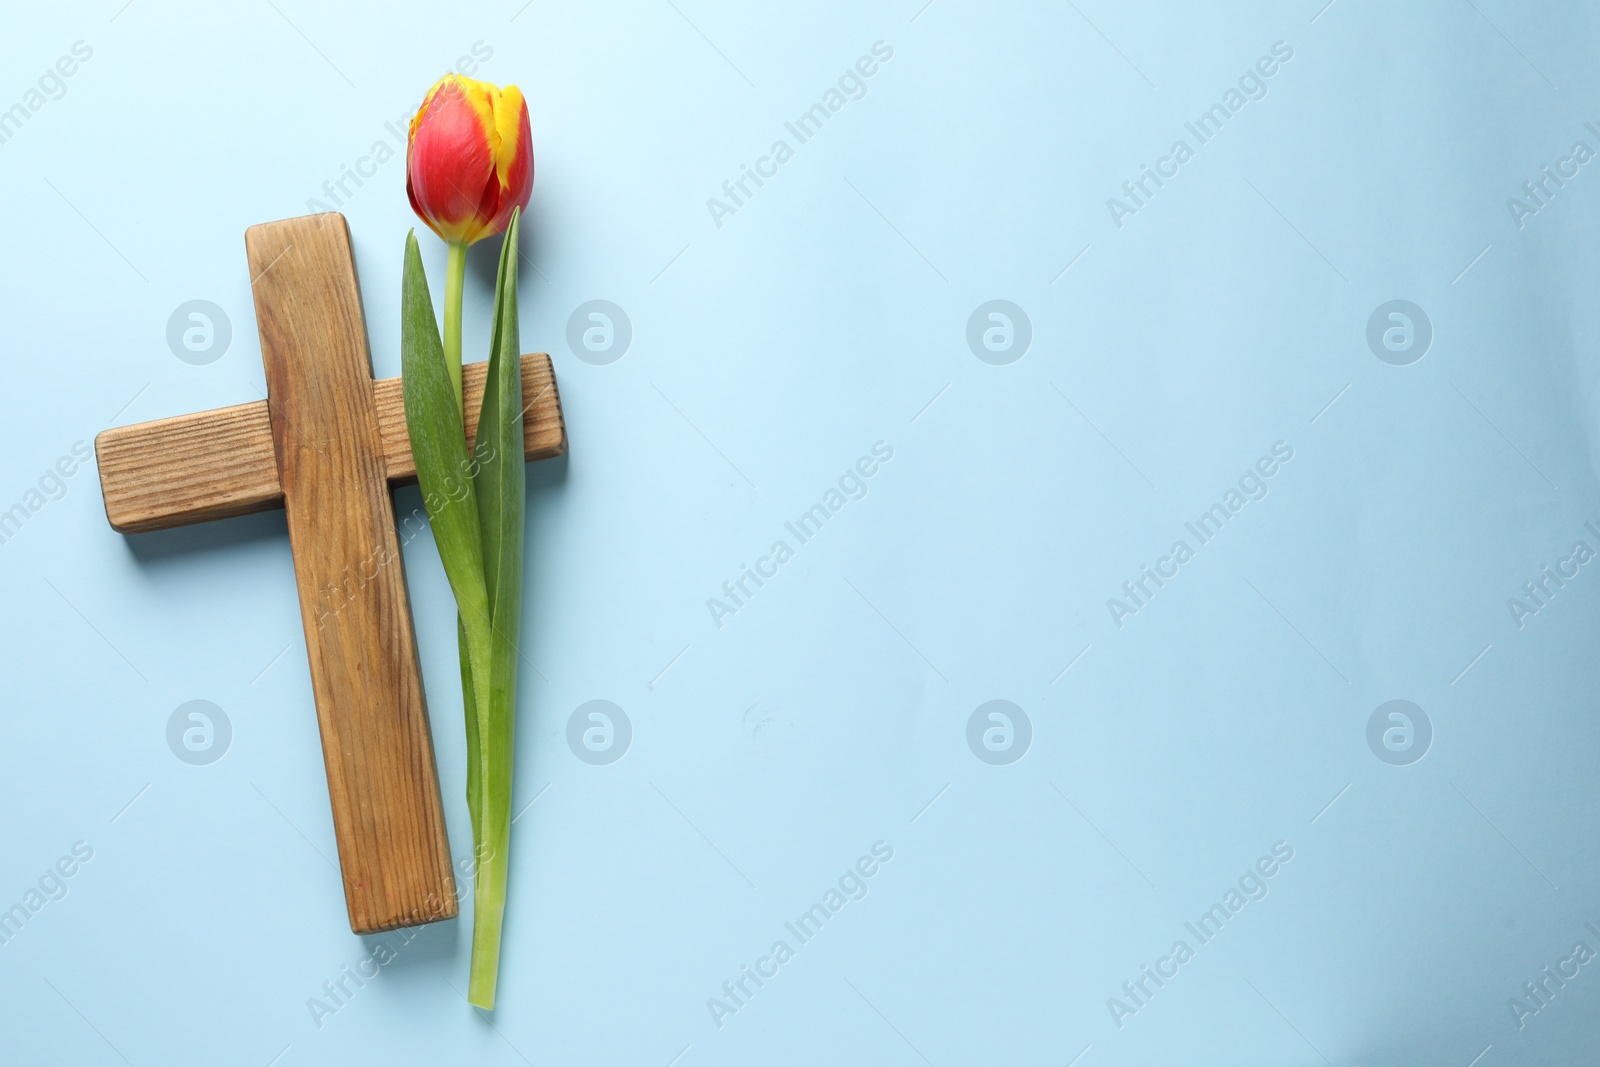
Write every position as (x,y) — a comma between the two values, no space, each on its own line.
(501,479)
(476,503)
(501,498)
(445,474)
(438,443)
(474,755)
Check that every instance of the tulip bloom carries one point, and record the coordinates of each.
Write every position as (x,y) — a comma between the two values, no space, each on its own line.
(469,159)
(469,165)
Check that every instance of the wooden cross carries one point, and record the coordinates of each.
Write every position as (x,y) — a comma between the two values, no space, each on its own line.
(326,446)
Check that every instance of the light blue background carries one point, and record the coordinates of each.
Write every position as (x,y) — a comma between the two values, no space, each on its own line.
(830,713)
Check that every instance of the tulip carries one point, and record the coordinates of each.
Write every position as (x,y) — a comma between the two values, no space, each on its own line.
(469,165)
(469,173)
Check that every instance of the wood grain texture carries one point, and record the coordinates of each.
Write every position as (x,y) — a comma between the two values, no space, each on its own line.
(215,464)
(333,474)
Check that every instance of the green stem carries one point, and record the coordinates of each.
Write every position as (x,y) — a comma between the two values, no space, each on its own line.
(488,911)
(455,275)
(490,746)
(489,709)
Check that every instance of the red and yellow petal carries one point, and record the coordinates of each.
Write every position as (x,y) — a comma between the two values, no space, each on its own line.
(469,161)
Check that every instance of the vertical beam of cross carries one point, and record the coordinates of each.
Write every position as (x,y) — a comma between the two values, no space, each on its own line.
(374,722)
